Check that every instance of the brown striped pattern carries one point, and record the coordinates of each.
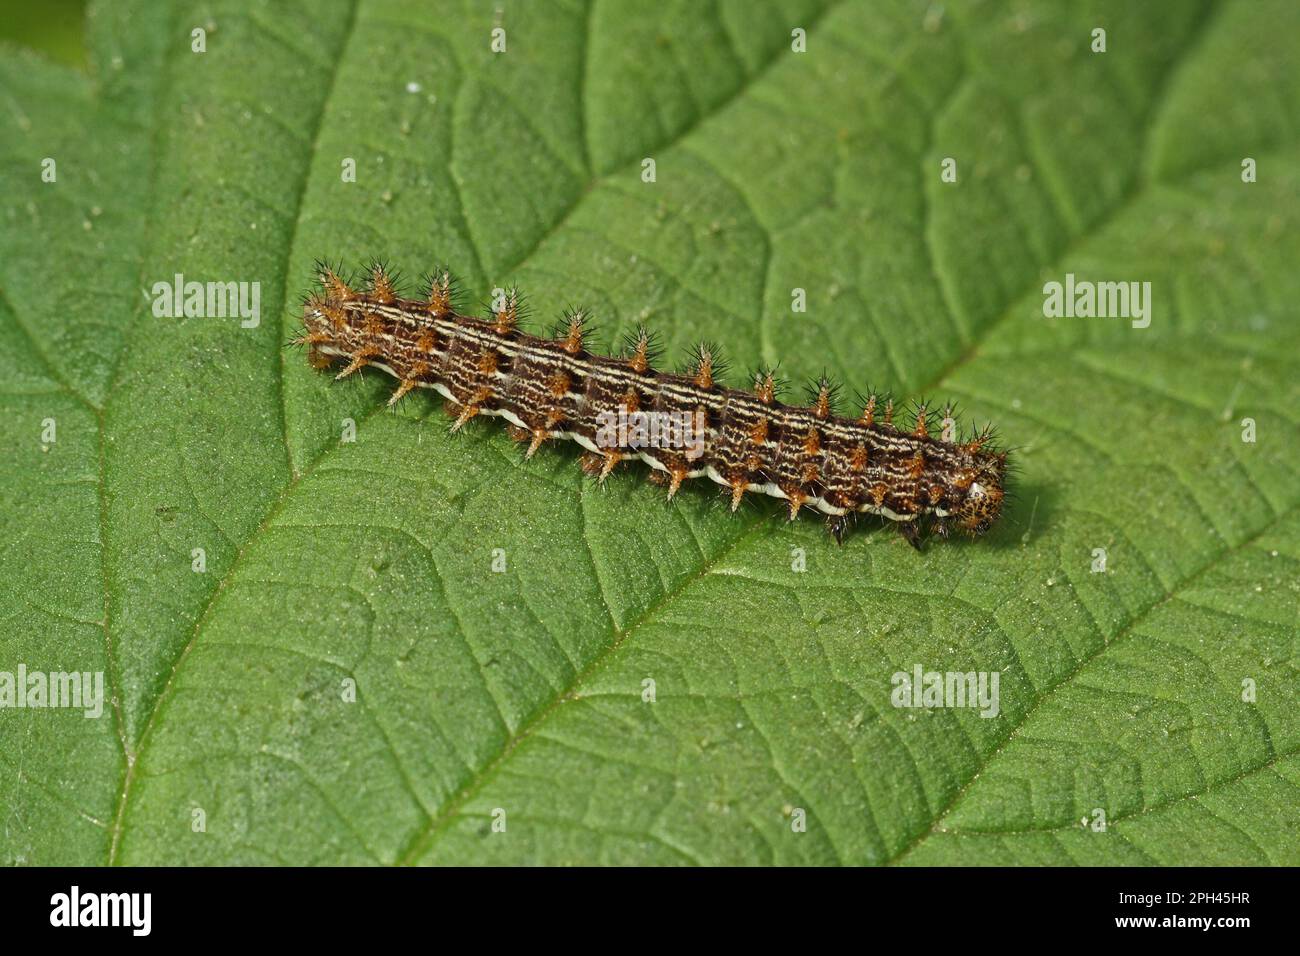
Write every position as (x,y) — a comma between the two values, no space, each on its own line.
(554,388)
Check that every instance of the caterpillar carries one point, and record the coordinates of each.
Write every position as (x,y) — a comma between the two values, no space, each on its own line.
(683,425)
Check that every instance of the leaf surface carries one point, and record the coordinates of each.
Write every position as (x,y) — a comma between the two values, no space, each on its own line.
(331,563)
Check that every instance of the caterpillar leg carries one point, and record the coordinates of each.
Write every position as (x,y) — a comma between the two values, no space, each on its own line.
(838,525)
(910,532)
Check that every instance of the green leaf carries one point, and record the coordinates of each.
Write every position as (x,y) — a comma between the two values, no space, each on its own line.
(1123,692)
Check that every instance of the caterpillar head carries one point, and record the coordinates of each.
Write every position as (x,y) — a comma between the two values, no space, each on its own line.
(981,500)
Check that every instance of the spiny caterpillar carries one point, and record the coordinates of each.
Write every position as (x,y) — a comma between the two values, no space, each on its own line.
(554,388)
